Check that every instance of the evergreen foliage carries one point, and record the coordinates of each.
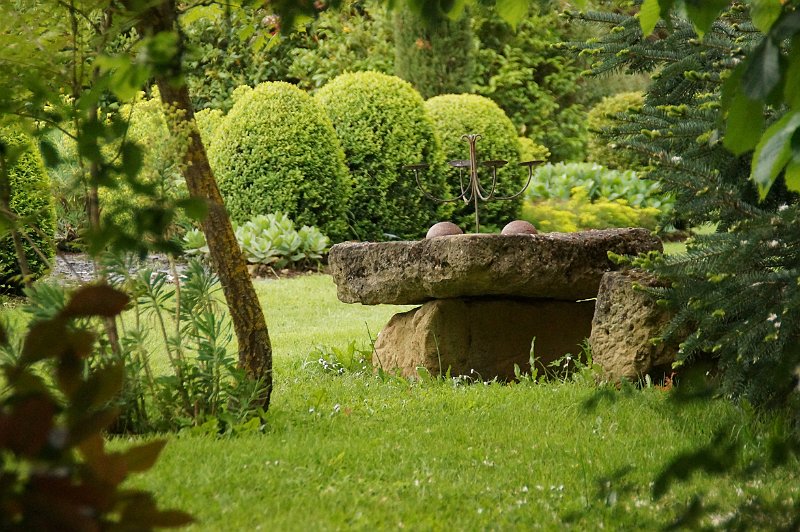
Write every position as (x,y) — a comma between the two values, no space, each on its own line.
(735,291)
(30,200)
(435,56)
(603,116)
(456,115)
(382,125)
(277,151)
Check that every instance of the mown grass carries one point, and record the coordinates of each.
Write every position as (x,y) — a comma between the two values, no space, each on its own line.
(359,452)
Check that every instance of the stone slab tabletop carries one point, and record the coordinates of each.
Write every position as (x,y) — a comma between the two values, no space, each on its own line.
(562,266)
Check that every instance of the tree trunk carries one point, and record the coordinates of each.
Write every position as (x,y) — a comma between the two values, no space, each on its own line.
(255,349)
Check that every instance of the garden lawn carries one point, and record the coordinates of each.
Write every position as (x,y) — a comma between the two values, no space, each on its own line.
(357,451)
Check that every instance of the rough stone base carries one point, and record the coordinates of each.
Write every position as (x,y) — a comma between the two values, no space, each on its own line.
(488,336)
(625,321)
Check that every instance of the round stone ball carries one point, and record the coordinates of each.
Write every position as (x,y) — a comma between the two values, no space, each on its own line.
(444,229)
(519,227)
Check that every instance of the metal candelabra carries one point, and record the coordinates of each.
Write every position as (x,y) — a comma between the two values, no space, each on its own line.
(474,191)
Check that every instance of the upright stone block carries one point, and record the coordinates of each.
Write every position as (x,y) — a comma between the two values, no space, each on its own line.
(624,324)
(482,336)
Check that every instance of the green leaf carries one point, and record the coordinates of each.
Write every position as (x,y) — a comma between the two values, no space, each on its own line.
(132,159)
(792,175)
(101,386)
(703,13)
(791,90)
(745,123)
(763,71)
(649,15)
(49,153)
(512,11)
(774,151)
(195,208)
(764,13)
(95,300)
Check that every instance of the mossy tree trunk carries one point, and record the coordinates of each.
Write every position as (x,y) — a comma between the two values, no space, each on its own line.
(255,348)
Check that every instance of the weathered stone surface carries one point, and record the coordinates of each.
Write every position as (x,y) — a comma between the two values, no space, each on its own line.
(565,266)
(625,320)
(488,336)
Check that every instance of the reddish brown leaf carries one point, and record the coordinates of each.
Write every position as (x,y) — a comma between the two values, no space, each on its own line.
(142,457)
(44,340)
(102,386)
(92,424)
(95,300)
(31,421)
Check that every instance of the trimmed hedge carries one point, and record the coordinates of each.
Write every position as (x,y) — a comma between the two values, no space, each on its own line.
(30,198)
(382,125)
(276,150)
(602,116)
(455,115)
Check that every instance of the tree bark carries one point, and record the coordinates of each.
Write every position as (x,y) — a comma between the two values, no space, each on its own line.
(255,348)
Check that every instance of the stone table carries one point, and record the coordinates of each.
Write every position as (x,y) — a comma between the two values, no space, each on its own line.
(484,297)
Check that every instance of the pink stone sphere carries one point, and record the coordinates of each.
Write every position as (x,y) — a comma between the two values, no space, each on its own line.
(444,229)
(519,227)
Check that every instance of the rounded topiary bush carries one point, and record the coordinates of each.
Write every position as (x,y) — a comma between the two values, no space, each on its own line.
(455,115)
(276,151)
(604,115)
(31,200)
(382,125)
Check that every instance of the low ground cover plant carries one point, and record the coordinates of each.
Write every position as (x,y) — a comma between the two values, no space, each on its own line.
(270,240)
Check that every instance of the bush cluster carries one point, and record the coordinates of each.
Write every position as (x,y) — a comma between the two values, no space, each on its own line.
(455,115)
(574,196)
(30,199)
(277,151)
(601,118)
(381,123)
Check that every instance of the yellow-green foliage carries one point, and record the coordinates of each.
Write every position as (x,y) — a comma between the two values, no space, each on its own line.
(530,151)
(31,200)
(578,212)
(161,166)
(381,123)
(208,120)
(601,116)
(276,150)
(455,115)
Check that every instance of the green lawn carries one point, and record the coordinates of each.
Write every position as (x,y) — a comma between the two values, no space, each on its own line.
(358,452)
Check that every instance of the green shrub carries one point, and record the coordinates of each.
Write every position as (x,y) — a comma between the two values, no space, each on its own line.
(530,151)
(208,120)
(31,200)
(601,149)
(382,125)
(578,212)
(537,85)
(435,56)
(277,151)
(161,172)
(455,115)
(557,181)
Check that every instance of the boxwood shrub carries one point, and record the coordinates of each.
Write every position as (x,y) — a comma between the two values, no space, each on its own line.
(31,200)
(455,115)
(381,123)
(276,151)
(604,115)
